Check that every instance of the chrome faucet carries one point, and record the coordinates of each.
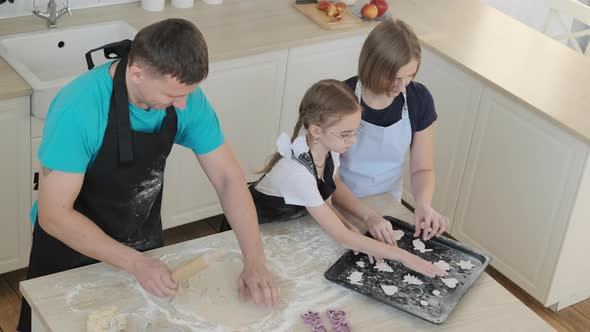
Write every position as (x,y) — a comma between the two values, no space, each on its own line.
(52,13)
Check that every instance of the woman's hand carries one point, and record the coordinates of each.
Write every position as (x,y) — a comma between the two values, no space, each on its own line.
(429,222)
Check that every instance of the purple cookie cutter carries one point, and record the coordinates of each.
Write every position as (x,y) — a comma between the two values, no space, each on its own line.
(314,319)
(339,321)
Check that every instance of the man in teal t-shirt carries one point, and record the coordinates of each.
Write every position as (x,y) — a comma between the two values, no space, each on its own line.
(106,139)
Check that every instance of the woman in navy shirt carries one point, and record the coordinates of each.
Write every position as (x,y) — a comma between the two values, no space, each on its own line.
(397,119)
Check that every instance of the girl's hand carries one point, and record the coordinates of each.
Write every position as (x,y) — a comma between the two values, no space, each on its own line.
(422,266)
(371,258)
(381,229)
(429,222)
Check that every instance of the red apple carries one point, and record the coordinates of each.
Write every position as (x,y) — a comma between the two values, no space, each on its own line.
(331,11)
(369,11)
(336,17)
(323,5)
(381,6)
(340,6)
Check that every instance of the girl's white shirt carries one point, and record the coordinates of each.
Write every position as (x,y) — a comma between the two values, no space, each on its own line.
(290,179)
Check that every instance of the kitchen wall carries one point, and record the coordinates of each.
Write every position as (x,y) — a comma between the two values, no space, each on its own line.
(24,7)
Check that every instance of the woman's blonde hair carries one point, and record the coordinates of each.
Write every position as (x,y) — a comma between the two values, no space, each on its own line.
(323,104)
(391,45)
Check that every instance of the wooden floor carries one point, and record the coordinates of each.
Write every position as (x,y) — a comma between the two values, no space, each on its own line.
(575,318)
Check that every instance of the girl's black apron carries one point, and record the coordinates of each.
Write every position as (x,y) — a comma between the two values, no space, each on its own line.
(272,208)
(121,192)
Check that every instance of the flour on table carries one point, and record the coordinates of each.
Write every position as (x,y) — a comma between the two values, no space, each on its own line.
(466,265)
(436,292)
(420,246)
(355,278)
(383,267)
(424,303)
(442,265)
(106,319)
(213,293)
(412,280)
(360,264)
(450,282)
(389,289)
(398,234)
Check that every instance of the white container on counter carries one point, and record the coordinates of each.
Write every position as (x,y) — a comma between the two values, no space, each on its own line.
(183,3)
(153,5)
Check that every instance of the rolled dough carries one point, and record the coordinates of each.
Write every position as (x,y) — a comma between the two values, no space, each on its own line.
(212,296)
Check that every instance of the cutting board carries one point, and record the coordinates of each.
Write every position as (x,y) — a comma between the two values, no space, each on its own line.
(320,18)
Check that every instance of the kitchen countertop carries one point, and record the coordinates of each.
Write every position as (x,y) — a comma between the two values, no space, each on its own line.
(300,250)
(543,74)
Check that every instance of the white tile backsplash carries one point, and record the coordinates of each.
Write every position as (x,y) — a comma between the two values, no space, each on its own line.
(24,7)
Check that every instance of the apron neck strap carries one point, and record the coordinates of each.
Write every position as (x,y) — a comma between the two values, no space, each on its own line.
(114,50)
(358,90)
(120,105)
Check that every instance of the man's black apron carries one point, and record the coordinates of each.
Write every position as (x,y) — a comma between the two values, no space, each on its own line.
(272,208)
(121,192)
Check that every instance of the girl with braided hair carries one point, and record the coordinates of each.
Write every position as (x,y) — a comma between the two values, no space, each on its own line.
(301,176)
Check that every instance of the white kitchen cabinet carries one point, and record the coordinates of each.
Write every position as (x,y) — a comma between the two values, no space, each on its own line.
(307,65)
(456,99)
(246,94)
(523,200)
(15,234)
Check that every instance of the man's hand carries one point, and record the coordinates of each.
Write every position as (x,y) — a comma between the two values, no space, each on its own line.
(154,276)
(257,282)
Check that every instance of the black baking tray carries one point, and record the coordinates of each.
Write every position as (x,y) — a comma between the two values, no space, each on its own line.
(408,297)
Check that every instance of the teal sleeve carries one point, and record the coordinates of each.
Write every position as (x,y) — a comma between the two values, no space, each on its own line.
(198,126)
(64,145)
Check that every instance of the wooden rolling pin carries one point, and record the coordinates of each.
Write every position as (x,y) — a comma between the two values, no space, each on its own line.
(194,266)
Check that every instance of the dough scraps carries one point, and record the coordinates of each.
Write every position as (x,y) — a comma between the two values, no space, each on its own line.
(106,319)
(424,303)
(436,292)
(360,264)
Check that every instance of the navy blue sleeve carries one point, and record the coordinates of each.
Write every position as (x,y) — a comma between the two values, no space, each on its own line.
(427,114)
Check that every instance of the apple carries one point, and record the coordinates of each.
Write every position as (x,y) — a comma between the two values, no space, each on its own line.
(323,5)
(381,6)
(369,11)
(340,7)
(336,17)
(331,11)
